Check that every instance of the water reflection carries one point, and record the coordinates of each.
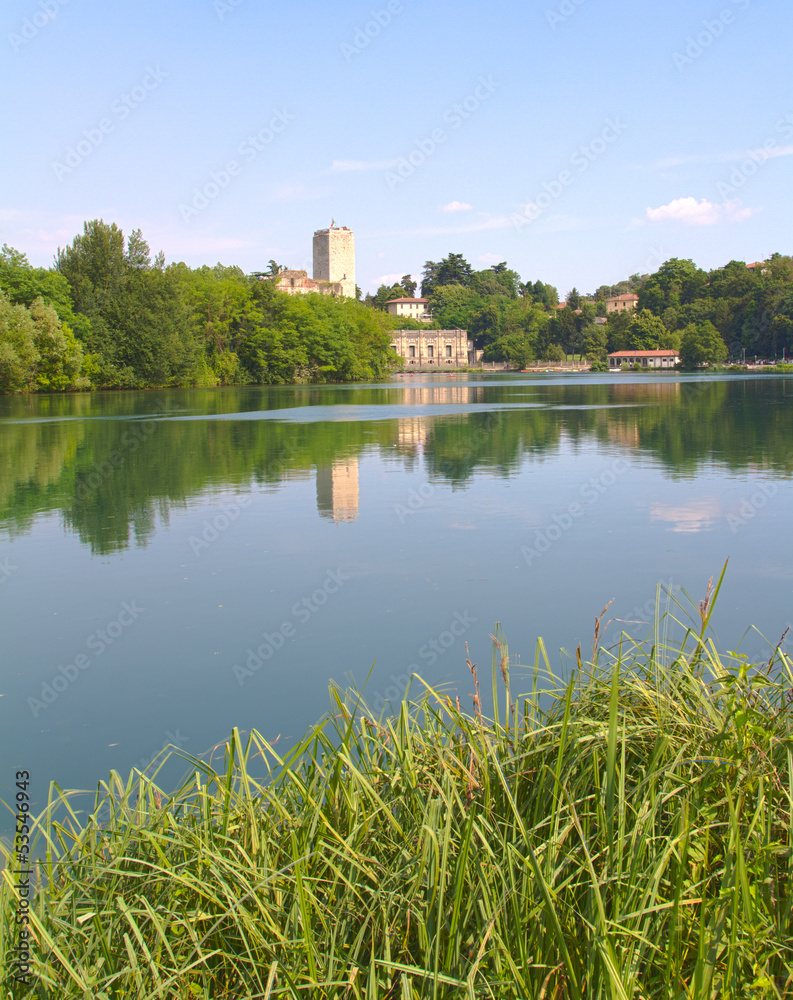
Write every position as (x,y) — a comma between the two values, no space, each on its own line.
(697,515)
(337,490)
(115,465)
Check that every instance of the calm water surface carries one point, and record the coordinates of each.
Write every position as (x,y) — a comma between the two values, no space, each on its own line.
(176,563)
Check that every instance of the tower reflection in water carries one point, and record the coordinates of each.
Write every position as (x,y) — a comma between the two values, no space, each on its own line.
(337,490)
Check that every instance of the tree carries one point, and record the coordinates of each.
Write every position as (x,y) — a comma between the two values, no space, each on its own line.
(151,330)
(675,283)
(573,299)
(409,285)
(565,332)
(18,354)
(60,356)
(646,332)
(138,255)
(384,294)
(701,344)
(546,294)
(94,265)
(24,284)
(453,306)
(554,353)
(430,274)
(454,270)
(595,343)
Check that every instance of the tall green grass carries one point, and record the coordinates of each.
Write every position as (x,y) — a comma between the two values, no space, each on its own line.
(624,832)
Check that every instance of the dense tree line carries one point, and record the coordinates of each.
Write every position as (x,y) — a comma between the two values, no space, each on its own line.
(108,316)
(730,312)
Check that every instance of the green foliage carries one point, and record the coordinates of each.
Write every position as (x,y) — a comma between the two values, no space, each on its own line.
(631,285)
(751,307)
(385,293)
(595,343)
(623,832)
(37,351)
(139,324)
(59,366)
(701,344)
(18,354)
(554,353)
(24,284)
(646,332)
(676,283)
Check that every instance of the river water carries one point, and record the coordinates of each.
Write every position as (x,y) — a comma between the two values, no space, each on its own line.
(175,563)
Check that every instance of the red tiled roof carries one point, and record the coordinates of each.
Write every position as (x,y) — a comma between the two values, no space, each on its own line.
(669,353)
(391,301)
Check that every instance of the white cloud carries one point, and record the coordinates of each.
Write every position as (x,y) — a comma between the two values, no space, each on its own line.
(457,206)
(345,166)
(691,212)
(490,258)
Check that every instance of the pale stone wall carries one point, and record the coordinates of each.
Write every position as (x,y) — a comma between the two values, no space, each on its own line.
(334,258)
(299,283)
(433,348)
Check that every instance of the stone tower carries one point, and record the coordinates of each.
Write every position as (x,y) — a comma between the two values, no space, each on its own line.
(334,257)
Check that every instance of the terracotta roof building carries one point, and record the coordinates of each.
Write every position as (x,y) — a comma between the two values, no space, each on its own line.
(666,358)
(622,303)
(412,308)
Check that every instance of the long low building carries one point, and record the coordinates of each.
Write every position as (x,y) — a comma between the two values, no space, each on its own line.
(434,348)
(647,359)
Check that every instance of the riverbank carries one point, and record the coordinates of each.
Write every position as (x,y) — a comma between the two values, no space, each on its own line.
(623,833)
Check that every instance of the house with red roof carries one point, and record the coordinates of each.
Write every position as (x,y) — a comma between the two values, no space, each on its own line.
(412,308)
(666,358)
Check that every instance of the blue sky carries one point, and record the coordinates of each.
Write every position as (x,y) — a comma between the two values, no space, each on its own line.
(579,140)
